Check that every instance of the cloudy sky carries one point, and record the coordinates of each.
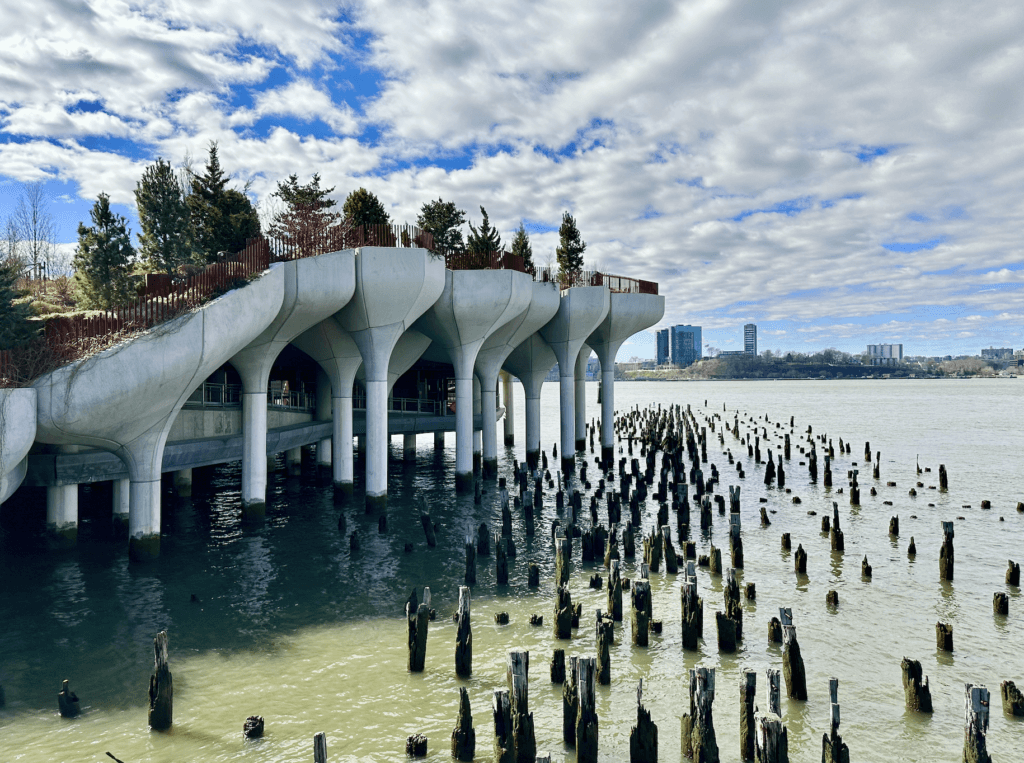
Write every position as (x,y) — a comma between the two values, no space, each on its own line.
(838,172)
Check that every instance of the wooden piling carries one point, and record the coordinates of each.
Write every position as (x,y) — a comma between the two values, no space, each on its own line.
(470,576)
(501,711)
(523,739)
(615,592)
(640,613)
(748,692)
(586,719)
(463,636)
(1000,603)
(320,747)
(787,542)
(67,701)
(570,703)
(692,609)
(253,726)
(865,568)
(698,725)
(562,561)
(563,613)
(793,665)
(501,560)
(558,666)
(946,552)
(1012,573)
(771,744)
(643,738)
(894,526)
(800,560)
(464,735)
(976,724)
(417,620)
(917,694)
(944,637)
(605,641)
(161,687)
(833,749)
(1013,700)
(715,561)
(428,530)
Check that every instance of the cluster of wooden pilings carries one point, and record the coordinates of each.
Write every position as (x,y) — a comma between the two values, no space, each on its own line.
(663,462)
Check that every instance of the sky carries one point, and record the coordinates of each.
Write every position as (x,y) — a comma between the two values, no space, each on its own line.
(839,173)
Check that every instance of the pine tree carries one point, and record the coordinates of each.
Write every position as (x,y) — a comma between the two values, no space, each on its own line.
(223,219)
(309,216)
(571,247)
(442,219)
(166,238)
(483,240)
(104,256)
(16,328)
(364,208)
(521,247)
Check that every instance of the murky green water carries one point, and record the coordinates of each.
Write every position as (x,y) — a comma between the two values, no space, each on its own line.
(293,626)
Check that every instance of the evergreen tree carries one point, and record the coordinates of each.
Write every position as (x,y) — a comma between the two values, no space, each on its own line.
(571,247)
(16,328)
(442,219)
(104,256)
(223,219)
(309,212)
(485,239)
(166,237)
(521,246)
(364,208)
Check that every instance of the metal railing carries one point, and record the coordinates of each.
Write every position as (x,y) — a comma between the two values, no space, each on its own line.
(617,284)
(422,405)
(485,261)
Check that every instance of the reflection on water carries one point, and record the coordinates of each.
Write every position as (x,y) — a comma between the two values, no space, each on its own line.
(289,623)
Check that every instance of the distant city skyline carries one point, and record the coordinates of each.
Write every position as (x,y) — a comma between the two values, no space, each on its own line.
(838,178)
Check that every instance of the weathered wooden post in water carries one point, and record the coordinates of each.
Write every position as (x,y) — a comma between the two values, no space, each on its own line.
(643,738)
(570,703)
(946,552)
(833,749)
(562,561)
(523,741)
(770,741)
(1013,700)
(418,619)
(615,592)
(640,614)
(586,720)
(470,576)
(793,665)
(976,724)
(464,735)
(319,747)
(605,641)
(693,609)
(563,613)
(916,692)
(697,727)
(748,692)
(944,637)
(161,687)
(67,701)
(463,636)
(501,710)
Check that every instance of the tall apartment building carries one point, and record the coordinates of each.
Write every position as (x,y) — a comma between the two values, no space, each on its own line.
(686,345)
(664,354)
(885,354)
(750,339)
(997,353)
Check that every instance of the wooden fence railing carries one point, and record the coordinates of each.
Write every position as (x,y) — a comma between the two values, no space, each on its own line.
(617,284)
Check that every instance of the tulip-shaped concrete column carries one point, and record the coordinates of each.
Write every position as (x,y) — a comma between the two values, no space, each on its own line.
(627,314)
(510,409)
(530,362)
(17,433)
(495,351)
(125,399)
(473,305)
(580,396)
(581,311)
(394,287)
(314,288)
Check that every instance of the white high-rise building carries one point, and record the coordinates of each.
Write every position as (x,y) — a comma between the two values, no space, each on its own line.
(885,354)
(750,339)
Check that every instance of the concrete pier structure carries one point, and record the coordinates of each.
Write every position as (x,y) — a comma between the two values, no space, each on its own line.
(18,427)
(62,511)
(544,299)
(627,314)
(125,398)
(314,289)
(508,400)
(580,311)
(580,398)
(473,305)
(394,287)
(530,362)
(121,506)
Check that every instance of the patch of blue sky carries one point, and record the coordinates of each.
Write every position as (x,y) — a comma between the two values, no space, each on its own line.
(829,203)
(694,182)
(866,153)
(64,205)
(664,151)
(85,106)
(122,147)
(789,208)
(649,213)
(908,247)
(955,212)
(539,226)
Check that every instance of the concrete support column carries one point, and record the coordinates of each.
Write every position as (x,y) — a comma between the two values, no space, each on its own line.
(62,511)
(122,504)
(533,431)
(581,398)
(439,440)
(343,470)
(409,447)
(506,397)
(607,412)
(183,483)
(324,412)
(464,435)
(361,443)
(144,520)
(376,445)
(477,433)
(567,418)
(254,454)
(489,429)
(293,461)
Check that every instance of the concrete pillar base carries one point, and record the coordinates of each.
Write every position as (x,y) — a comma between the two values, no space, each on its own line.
(119,526)
(183,483)
(343,492)
(490,467)
(510,439)
(476,463)
(144,548)
(62,537)
(439,440)
(254,511)
(122,505)
(409,447)
(464,482)
(293,459)
(568,465)
(532,458)
(581,444)
(376,503)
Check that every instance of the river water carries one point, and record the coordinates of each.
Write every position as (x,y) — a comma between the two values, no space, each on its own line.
(291,625)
